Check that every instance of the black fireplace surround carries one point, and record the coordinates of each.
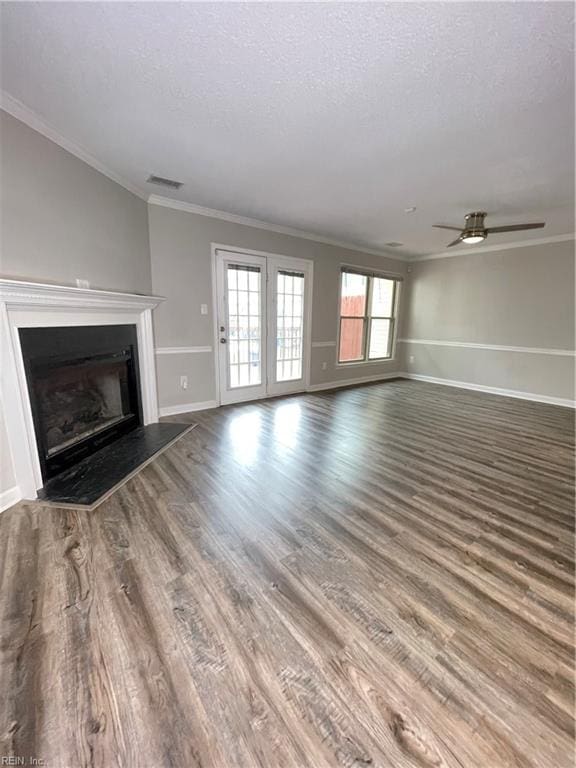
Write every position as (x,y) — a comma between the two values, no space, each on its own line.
(84,389)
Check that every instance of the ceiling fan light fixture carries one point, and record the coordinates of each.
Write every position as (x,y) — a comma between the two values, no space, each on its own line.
(473,238)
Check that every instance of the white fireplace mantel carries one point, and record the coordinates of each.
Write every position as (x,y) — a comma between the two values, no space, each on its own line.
(26,305)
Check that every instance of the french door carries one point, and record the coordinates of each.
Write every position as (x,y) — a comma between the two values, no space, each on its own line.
(263,325)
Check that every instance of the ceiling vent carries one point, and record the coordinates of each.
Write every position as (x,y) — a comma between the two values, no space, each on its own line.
(162,182)
(393,244)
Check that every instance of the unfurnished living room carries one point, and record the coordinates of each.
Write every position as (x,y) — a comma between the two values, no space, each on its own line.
(287,384)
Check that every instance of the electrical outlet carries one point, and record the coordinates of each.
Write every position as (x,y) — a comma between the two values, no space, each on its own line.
(82,283)
(411,359)
(183,382)
(203,309)
(324,366)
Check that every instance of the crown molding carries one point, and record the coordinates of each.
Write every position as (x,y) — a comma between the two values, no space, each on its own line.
(26,115)
(213,213)
(30,118)
(471,250)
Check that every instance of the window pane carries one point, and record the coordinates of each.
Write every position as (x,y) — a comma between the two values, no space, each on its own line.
(242,279)
(289,326)
(353,298)
(244,332)
(382,297)
(242,299)
(243,351)
(255,373)
(351,337)
(379,339)
(244,375)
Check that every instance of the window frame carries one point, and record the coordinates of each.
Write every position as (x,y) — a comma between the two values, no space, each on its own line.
(367,318)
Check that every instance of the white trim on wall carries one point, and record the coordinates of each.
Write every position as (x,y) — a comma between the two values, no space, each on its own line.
(351,382)
(172,410)
(214,213)
(175,410)
(181,350)
(564,402)
(471,250)
(318,344)
(493,347)
(9,498)
(30,118)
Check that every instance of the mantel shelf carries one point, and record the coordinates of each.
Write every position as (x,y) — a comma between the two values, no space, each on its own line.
(22,293)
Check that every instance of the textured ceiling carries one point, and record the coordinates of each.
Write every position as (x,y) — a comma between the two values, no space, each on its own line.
(328,117)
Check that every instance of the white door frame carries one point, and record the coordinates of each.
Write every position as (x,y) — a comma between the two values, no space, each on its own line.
(248,391)
(305,265)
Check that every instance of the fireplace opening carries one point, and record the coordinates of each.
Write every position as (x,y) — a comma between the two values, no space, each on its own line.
(84,390)
(79,400)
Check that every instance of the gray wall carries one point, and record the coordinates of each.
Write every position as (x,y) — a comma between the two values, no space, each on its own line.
(521,297)
(62,220)
(180,247)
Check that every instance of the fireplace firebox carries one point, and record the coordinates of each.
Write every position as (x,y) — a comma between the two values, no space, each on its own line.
(84,389)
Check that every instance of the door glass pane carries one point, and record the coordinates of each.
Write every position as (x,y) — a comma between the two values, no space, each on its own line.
(243,294)
(382,297)
(351,339)
(379,339)
(289,325)
(353,295)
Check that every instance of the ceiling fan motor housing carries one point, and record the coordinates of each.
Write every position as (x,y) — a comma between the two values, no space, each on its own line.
(475,225)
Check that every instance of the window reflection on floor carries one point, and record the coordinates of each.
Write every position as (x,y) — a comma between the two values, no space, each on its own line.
(287,425)
(244,431)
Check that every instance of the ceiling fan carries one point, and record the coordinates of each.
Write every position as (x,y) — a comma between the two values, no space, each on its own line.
(474,230)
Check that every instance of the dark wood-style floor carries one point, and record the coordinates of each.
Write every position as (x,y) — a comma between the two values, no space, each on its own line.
(378,576)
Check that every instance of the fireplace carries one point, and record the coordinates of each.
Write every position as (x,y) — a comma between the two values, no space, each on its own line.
(84,390)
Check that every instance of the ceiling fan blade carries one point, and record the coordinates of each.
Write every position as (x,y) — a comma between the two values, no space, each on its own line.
(516,227)
(444,226)
(455,242)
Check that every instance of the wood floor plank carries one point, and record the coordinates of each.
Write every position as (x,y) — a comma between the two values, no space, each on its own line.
(375,576)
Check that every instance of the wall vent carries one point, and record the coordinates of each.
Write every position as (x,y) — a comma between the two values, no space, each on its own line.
(162,182)
(393,244)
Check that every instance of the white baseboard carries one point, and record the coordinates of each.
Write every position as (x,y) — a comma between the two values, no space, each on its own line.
(174,410)
(492,390)
(351,382)
(9,498)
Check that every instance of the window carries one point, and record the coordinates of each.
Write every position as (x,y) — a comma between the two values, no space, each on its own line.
(367,315)
(289,325)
